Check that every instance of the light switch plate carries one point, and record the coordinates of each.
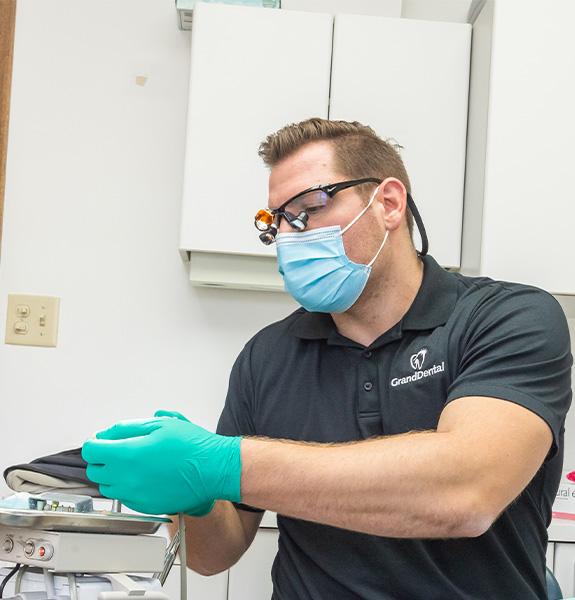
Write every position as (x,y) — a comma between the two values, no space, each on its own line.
(32,320)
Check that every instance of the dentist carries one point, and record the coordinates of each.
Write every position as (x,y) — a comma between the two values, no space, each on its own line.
(406,424)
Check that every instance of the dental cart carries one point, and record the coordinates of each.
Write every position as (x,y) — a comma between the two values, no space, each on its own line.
(81,555)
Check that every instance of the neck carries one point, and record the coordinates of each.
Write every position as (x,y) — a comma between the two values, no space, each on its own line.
(389,293)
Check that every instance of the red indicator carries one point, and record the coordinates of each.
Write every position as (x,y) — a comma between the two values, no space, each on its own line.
(41,551)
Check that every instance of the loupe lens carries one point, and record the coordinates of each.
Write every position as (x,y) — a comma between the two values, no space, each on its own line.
(268,238)
(264,219)
(298,223)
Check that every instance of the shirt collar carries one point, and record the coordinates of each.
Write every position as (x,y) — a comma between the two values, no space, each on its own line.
(431,308)
(435,299)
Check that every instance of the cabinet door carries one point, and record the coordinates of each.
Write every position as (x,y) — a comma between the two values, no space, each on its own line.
(409,80)
(528,211)
(253,70)
(250,578)
(564,567)
(550,555)
(199,587)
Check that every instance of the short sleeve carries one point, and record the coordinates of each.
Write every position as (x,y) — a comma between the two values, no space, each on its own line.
(516,347)
(236,418)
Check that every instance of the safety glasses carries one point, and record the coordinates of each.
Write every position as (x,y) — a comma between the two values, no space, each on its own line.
(307,207)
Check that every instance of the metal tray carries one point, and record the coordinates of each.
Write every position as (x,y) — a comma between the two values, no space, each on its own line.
(95,522)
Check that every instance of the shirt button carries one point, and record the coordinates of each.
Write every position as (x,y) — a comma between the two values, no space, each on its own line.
(367,386)
(367,354)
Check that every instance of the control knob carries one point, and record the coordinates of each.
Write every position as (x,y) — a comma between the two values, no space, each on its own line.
(29,548)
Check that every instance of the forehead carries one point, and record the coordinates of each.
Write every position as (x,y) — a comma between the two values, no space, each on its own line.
(311,165)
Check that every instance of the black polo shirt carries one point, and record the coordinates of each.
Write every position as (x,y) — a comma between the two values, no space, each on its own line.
(300,379)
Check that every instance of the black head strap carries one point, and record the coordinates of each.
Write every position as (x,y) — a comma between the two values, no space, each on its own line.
(420,226)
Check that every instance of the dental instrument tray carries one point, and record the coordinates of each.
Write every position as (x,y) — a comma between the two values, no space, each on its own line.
(92,522)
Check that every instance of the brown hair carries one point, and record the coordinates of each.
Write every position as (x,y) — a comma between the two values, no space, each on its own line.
(359,151)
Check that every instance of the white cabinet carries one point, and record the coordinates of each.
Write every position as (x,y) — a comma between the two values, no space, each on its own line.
(199,587)
(524,112)
(252,71)
(550,555)
(409,80)
(564,567)
(255,70)
(250,578)
(561,554)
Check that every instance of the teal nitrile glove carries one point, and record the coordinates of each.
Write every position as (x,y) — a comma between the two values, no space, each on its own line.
(164,465)
(200,511)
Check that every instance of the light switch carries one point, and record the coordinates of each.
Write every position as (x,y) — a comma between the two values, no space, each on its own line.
(32,320)
(20,328)
(22,310)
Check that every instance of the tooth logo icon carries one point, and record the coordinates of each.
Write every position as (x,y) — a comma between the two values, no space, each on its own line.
(416,360)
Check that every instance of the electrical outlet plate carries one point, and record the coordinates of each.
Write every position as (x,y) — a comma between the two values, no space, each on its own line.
(32,320)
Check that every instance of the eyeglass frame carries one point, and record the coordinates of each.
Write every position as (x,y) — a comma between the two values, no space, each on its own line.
(330,189)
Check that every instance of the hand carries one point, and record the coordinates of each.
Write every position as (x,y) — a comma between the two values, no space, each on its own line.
(203,510)
(164,465)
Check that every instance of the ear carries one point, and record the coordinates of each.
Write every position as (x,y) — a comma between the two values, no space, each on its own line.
(393,197)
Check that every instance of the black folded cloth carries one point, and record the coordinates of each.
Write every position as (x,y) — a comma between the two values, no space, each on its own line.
(64,471)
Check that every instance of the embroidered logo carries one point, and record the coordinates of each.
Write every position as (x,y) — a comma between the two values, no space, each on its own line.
(416,360)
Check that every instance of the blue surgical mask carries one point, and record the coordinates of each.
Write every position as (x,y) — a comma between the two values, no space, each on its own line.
(316,270)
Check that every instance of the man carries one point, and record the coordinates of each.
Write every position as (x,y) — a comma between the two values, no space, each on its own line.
(412,419)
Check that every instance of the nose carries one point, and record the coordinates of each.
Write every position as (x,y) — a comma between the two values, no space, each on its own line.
(284,226)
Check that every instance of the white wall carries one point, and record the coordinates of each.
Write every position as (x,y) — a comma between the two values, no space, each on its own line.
(92,215)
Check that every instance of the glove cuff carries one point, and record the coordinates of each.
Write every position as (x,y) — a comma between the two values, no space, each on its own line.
(232,471)
(201,511)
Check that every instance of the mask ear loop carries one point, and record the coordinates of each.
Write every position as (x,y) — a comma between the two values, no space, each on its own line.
(361,213)
(358,216)
(380,248)
(416,216)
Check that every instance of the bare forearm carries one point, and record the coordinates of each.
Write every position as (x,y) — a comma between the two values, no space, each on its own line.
(379,486)
(402,486)
(215,542)
(452,482)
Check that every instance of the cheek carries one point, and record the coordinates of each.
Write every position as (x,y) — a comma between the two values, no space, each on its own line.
(362,241)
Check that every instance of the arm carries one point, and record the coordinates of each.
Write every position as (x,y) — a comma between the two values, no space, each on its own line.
(452,482)
(217,541)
